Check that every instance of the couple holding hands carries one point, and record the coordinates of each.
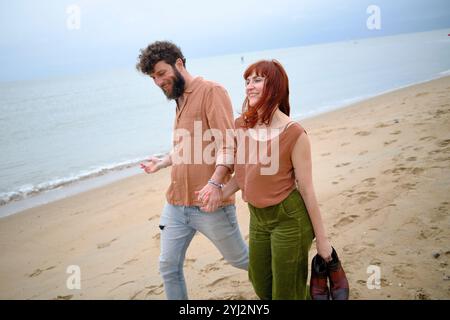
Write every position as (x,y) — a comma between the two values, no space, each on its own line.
(284,213)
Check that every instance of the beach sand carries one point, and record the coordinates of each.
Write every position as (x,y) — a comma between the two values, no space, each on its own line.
(382,174)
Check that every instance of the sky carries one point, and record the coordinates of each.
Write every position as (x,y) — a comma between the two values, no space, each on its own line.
(44,38)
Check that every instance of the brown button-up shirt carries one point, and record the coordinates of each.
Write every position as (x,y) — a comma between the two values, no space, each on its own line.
(203,138)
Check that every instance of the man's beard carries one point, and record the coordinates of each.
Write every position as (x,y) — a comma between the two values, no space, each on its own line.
(178,84)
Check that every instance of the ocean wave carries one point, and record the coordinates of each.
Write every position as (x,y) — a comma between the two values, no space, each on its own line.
(31,190)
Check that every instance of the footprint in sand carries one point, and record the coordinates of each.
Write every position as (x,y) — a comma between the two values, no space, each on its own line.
(362,152)
(354,294)
(443,143)
(155,290)
(345,221)
(215,282)
(364,196)
(362,133)
(404,271)
(370,181)
(325,154)
(406,148)
(345,144)
(210,267)
(421,94)
(375,261)
(105,244)
(386,143)
(417,170)
(383,125)
(396,132)
(433,152)
(130,261)
(408,186)
(400,170)
(133,297)
(39,271)
(189,262)
(343,164)
(361,282)
(231,296)
(439,113)
(68,297)
(372,210)
(427,138)
(352,249)
(411,159)
(157,236)
(420,294)
(121,285)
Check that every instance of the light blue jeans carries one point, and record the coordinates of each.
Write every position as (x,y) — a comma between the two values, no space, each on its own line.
(178,225)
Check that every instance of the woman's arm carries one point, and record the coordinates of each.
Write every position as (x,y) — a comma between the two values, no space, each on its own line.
(301,160)
(230,188)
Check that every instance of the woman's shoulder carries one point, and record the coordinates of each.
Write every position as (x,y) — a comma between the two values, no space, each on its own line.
(239,122)
(295,126)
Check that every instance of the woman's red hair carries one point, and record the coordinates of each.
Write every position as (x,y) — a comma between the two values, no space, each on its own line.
(275,93)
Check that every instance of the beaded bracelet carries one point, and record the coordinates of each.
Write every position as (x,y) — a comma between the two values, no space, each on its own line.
(217,185)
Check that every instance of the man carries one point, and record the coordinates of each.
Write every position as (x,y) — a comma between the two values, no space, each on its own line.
(202,107)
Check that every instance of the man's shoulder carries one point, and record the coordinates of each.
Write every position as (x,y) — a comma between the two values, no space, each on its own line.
(211,85)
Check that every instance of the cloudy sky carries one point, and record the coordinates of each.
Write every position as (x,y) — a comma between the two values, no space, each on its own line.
(46,37)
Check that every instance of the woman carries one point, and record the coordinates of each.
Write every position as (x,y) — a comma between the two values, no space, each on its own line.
(284,213)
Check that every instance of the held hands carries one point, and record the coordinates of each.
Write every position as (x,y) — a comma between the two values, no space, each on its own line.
(210,196)
(152,165)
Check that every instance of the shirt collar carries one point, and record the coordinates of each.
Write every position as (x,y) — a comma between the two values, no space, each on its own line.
(193,85)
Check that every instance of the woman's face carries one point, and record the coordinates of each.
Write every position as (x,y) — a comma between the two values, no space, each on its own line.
(254,86)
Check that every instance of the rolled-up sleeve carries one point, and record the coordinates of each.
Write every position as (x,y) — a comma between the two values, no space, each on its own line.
(219,113)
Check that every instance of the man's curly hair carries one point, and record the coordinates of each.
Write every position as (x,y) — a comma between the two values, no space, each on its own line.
(157,51)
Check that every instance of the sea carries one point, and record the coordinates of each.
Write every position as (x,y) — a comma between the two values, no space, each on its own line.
(64,135)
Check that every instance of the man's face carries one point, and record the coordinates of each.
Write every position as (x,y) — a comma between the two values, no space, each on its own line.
(169,79)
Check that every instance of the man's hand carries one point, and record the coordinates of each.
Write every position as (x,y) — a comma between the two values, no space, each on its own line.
(211,197)
(152,165)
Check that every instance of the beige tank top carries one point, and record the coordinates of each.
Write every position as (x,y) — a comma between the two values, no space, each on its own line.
(263,169)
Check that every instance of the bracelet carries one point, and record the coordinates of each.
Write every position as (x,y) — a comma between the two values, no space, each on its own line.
(215,184)
(224,165)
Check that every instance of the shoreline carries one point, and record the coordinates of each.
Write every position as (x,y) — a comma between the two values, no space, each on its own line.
(121,171)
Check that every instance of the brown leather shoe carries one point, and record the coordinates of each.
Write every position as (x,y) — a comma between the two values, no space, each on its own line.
(318,287)
(338,281)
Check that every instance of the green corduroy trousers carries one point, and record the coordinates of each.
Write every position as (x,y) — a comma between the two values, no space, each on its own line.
(279,243)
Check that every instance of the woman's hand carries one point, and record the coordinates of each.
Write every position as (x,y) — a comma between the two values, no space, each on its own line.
(324,249)
(211,198)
